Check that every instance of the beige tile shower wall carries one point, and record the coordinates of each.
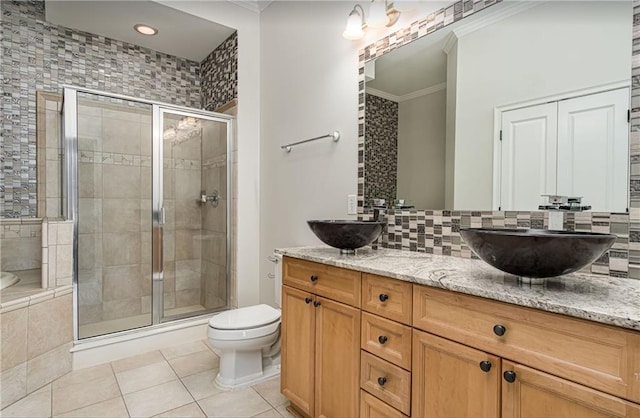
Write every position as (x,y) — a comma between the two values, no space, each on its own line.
(20,244)
(183,230)
(57,253)
(49,155)
(114,166)
(214,225)
(37,335)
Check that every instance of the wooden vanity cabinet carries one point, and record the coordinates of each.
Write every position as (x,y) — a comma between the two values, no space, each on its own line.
(574,368)
(320,340)
(356,344)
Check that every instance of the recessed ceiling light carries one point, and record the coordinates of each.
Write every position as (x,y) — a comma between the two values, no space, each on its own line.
(145,29)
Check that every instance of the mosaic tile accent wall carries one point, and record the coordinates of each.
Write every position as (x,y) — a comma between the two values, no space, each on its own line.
(219,74)
(381,141)
(37,55)
(437,232)
(634,139)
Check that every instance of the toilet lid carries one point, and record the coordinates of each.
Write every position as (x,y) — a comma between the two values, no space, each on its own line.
(245,318)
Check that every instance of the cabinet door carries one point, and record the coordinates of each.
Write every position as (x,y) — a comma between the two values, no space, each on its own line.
(298,348)
(337,359)
(449,382)
(536,394)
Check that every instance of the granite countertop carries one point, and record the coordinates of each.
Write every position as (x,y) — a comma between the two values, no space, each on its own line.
(597,298)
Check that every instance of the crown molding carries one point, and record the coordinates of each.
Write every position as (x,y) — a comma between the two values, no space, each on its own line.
(449,42)
(253,5)
(409,96)
(509,8)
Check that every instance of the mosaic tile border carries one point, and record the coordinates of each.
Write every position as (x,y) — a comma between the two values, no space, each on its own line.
(437,232)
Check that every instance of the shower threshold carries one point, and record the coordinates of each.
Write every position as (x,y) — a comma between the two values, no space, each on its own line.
(131,322)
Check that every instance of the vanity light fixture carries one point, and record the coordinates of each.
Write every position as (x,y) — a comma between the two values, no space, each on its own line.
(145,29)
(381,14)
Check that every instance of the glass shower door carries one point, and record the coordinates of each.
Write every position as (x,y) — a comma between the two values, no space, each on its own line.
(195,254)
(114,214)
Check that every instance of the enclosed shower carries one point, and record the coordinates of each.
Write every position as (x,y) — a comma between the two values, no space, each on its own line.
(147,187)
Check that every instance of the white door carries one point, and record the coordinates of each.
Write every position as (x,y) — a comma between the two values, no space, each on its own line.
(528,156)
(593,149)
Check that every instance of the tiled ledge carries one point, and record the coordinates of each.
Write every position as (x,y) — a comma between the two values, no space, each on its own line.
(38,297)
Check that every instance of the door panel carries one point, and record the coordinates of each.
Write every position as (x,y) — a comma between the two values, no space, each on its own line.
(537,394)
(337,359)
(528,166)
(298,348)
(593,149)
(448,380)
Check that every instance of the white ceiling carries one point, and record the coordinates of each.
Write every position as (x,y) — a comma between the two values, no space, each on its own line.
(179,33)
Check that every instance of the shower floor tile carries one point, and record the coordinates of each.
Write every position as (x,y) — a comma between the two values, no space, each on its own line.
(174,382)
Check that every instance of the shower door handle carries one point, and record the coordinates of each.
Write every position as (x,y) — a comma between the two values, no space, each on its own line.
(161,216)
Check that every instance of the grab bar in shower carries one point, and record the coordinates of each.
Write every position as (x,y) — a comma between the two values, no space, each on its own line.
(335,135)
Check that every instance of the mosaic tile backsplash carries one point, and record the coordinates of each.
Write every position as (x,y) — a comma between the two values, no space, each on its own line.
(381,143)
(37,55)
(219,74)
(437,232)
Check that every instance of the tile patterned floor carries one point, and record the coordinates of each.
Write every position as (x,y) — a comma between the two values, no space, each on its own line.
(174,382)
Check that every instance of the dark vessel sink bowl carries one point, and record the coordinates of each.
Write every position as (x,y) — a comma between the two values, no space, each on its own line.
(346,235)
(536,254)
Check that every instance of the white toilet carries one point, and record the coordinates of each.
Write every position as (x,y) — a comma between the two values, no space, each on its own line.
(248,340)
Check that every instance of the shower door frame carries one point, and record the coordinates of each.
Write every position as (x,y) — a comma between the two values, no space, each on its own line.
(70,195)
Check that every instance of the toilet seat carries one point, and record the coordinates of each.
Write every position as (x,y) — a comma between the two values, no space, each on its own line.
(244,323)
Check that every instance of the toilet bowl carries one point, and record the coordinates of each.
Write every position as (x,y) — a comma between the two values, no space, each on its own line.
(248,340)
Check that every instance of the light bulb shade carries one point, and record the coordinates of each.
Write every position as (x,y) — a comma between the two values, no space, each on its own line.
(378,14)
(353,30)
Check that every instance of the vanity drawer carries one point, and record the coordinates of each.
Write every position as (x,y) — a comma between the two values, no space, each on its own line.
(387,297)
(387,339)
(386,381)
(372,407)
(595,355)
(335,283)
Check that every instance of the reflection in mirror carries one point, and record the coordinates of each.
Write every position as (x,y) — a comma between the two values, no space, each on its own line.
(554,77)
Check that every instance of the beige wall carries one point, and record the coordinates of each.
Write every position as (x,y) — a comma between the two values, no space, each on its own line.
(421,150)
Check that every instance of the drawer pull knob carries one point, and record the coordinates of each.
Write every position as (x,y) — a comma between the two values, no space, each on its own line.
(485,366)
(382,339)
(383,297)
(509,376)
(316,303)
(307,300)
(382,381)
(314,278)
(499,330)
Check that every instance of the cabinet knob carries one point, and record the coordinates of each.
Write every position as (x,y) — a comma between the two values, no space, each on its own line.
(307,300)
(313,278)
(499,330)
(383,297)
(485,366)
(316,303)
(509,376)
(382,381)
(382,339)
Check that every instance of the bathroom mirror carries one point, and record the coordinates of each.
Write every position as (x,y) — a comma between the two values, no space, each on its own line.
(554,77)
